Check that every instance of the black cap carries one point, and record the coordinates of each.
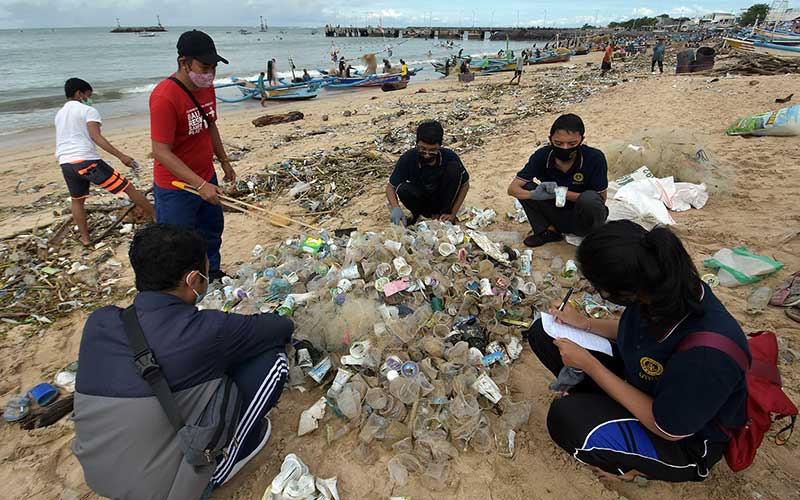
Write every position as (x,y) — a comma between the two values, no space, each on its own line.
(200,46)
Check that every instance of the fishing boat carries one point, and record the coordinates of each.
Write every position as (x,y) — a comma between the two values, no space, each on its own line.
(777,36)
(369,81)
(282,94)
(558,55)
(761,47)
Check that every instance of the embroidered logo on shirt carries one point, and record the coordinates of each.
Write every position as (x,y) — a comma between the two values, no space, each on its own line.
(578,177)
(651,367)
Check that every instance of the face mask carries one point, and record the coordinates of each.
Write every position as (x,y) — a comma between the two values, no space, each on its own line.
(198,297)
(202,80)
(427,158)
(88,101)
(565,154)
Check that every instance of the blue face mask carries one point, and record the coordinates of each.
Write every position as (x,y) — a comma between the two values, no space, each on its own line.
(88,101)
(198,296)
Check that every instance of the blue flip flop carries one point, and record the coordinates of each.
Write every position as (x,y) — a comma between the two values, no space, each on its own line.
(17,408)
(44,394)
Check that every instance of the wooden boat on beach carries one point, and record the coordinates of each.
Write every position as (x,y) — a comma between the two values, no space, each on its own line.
(282,94)
(761,47)
(369,81)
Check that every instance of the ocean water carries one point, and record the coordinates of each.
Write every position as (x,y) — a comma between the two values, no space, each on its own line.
(123,68)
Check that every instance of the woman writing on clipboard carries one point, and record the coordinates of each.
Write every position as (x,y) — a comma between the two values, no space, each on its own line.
(648,410)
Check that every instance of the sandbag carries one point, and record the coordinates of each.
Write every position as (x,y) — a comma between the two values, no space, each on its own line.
(785,122)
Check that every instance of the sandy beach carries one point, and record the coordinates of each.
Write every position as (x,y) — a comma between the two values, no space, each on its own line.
(495,128)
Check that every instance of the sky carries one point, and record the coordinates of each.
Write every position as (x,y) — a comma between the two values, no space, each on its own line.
(466,13)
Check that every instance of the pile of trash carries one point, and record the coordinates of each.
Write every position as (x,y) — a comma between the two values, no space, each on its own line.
(321,181)
(412,332)
(42,278)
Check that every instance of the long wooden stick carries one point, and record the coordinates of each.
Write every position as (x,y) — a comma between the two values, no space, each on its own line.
(231,201)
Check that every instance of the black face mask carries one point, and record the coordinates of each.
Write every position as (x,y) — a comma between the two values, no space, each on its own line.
(565,154)
(428,159)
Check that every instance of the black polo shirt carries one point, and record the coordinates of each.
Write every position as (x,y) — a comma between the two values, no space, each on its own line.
(589,172)
(409,169)
(191,346)
(692,390)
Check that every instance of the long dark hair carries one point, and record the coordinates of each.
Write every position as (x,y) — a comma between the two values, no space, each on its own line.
(622,256)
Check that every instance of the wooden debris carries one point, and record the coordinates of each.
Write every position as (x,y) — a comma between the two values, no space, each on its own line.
(291,116)
(759,64)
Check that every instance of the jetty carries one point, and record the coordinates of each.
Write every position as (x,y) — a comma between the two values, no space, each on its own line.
(140,29)
(458,33)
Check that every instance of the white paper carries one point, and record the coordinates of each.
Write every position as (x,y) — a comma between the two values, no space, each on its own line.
(584,339)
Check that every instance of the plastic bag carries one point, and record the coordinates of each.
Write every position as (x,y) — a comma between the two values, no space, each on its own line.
(784,122)
(740,267)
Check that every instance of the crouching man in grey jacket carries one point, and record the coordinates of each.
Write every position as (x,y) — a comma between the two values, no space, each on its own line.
(213,363)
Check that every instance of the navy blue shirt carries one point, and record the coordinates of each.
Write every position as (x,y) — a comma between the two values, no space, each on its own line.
(409,169)
(589,172)
(692,390)
(191,346)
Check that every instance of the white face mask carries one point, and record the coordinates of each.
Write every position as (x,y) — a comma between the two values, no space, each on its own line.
(198,296)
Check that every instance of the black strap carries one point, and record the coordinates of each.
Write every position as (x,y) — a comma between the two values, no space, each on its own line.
(194,100)
(148,366)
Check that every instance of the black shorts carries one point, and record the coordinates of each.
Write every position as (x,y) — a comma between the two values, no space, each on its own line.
(518,72)
(82,173)
(605,65)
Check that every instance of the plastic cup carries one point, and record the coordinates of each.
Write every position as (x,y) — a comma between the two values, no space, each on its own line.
(561,196)
(446,249)
(402,267)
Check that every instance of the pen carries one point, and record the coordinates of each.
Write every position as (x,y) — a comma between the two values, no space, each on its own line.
(566,299)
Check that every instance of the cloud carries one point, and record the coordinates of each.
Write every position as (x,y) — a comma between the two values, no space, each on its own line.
(643,12)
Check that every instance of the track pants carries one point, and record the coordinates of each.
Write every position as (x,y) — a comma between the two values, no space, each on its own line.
(578,218)
(260,381)
(598,431)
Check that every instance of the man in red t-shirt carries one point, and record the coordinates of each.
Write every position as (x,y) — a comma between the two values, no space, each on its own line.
(608,54)
(183,129)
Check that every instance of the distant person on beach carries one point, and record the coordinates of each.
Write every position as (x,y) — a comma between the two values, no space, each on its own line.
(221,372)
(403,70)
(447,68)
(605,66)
(272,72)
(429,180)
(567,163)
(262,90)
(183,129)
(484,62)
(77,137)
(518,71)
(656,408)
(342,64)
(387,66)
(306,76)
(658,57)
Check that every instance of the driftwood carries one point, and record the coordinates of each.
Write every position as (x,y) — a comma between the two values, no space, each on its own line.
(291,116)
(760,64)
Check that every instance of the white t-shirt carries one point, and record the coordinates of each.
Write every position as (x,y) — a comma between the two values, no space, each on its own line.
(72,135)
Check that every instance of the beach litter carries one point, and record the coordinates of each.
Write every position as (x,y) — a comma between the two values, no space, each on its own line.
(409,334)
(738,266)
(265,120)
(295,482)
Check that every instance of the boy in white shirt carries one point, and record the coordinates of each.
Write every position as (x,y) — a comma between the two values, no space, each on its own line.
(77,135)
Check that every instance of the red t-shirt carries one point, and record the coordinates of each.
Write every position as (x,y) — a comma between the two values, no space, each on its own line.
(608,54)
(175,120)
